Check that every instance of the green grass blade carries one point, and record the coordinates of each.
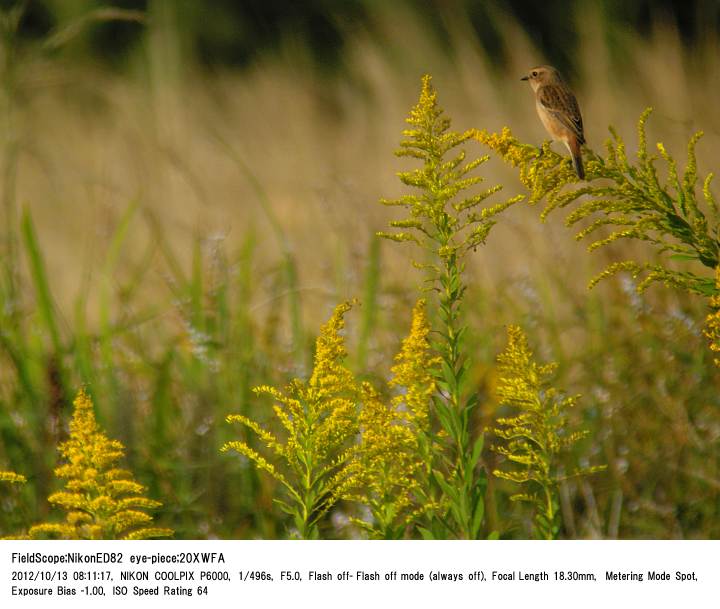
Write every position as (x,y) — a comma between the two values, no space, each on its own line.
(369,302)
(38,274)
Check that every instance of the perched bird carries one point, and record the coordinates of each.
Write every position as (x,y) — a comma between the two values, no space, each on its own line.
(559,111)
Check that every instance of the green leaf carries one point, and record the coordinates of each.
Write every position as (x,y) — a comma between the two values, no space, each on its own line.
(426,533)
(448,375)
(449,490)
(683,257)
(477,518)
(285,507)
(447,419)
(46,305)
(477,451)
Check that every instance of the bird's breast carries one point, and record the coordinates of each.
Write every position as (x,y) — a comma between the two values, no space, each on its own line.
(553,126)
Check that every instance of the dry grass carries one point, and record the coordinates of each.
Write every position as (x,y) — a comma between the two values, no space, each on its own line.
(319,147)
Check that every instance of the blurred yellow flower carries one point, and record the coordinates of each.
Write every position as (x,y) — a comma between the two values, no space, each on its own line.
(12,477)
(538,435)
(101,501)
(712,321)
(394,453)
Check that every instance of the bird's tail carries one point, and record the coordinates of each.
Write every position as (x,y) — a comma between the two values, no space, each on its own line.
(574,147)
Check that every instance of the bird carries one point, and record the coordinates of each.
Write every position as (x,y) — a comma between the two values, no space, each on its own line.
(559,112)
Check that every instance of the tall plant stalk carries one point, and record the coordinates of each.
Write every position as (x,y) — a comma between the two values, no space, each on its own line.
(448,222)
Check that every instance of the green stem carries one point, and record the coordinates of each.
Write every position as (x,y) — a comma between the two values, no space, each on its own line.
(307,506)
(451,296)
(549,513)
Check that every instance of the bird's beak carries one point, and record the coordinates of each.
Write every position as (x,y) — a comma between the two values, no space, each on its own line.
(525,78)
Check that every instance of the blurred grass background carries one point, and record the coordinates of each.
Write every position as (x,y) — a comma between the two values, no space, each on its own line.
(188,191)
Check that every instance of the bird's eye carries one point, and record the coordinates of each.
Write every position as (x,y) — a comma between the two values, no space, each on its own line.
(534,73)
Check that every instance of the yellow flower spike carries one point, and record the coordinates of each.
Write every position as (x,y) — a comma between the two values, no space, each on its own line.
(318,420)
(537,435)
(98,496)
(413,369)
(444,219)
(394,449)
(388,462)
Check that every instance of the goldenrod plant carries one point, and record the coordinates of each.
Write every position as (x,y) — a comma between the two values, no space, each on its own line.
(446,219)
(537,437)
(630,199)
(394,452)
(319,417)
(344,441)
(101,501)
(388,464)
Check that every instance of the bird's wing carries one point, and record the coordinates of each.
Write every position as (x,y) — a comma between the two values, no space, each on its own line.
(561,103)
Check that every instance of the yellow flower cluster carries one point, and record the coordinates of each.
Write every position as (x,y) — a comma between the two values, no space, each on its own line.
(543,172)
(12,477)
(342,440)
(101,501)
(413,370)
(319,418)
(386,464)
(538,435)
(394,449)
(712,322)
(445,218)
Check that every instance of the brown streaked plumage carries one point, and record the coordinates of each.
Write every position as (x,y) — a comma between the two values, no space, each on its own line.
(559,111)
